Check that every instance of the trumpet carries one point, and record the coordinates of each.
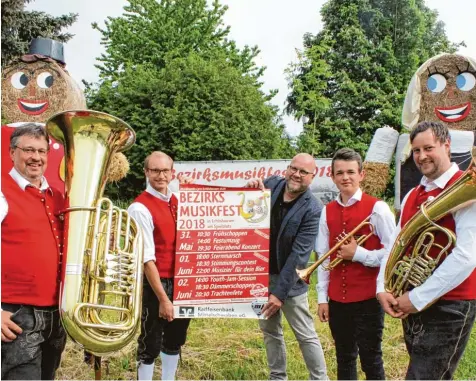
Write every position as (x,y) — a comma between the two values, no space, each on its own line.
(305,274)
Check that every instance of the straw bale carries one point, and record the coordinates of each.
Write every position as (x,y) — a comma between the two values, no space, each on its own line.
(376,178)
(451,66)
(118,168)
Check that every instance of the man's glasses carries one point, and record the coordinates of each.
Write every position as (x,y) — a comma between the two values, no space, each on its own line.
(157,171)
(30,151)
(292,170)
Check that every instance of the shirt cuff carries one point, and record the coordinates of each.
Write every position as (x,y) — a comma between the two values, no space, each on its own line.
(360,255)
(149,255)
(416,300)
(322,297)
(380,287)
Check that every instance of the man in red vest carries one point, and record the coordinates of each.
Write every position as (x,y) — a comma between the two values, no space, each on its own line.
(437,336)
(155,210)
(345,294)
(32,335)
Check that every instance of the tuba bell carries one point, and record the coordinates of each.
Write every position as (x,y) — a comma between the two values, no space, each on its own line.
(100,296)
(305,274)
(410,268)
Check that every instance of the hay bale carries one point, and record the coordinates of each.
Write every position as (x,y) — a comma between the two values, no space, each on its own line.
(35,90)
(376,178)
(118,168)
(451,65)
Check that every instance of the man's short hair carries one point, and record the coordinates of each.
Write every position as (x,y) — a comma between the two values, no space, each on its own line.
(439,130)
(30,129)
(160,154)
(347,154)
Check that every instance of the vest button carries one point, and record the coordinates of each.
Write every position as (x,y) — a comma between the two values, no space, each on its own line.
(343,297)
(343,284)
(344,291)
(343,278)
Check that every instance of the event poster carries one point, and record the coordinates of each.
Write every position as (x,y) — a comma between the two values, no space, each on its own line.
(222,252)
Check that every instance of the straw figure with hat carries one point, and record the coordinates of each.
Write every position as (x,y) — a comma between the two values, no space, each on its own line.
(35,87)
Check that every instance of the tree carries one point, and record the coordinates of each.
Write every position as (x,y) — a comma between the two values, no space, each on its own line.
(170,71)
(19,27)
(357,68)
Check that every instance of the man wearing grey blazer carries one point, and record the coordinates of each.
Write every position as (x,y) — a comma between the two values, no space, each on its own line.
(295,216)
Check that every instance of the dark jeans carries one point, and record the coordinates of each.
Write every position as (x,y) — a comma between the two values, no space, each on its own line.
(158,334)
(36,353)
(357,329)
(436,338)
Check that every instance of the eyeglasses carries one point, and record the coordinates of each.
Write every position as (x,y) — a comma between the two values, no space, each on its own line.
(292,170)
(157,171)
(30,151)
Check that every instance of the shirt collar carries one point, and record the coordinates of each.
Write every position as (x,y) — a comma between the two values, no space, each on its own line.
(161,196)
(355,198)
(23,183)
(441,181)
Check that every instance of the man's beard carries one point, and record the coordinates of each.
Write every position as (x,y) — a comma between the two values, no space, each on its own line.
(295,188)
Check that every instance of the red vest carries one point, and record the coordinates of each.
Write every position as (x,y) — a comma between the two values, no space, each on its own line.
(351,281)
(32,237)
(467,289)
(164,216)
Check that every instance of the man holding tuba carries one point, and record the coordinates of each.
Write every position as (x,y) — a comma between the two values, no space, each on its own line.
(436,336)
(32,335)
(345,296)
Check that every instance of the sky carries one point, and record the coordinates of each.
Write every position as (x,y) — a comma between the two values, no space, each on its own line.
(275,26)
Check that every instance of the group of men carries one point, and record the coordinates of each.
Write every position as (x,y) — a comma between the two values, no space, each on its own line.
(437,316)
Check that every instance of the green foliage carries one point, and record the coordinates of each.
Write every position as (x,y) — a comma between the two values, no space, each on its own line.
(170,72)
(19,27)
(352,76)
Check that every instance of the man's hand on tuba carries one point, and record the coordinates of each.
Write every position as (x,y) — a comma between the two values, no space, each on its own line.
(390,305)
(405,305)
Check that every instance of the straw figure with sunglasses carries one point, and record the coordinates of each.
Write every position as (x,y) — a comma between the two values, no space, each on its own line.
(294,224)
(155,210)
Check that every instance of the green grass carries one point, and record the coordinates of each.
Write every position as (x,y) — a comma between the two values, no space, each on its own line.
(233,349)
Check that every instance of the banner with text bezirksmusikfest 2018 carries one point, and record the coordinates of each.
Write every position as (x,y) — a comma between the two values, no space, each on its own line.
(222,252)
(235,173)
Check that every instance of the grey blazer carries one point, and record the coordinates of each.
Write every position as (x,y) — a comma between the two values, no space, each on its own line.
(296,239)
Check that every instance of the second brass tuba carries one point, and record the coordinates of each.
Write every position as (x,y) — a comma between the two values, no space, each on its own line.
(100,297)
(405,269)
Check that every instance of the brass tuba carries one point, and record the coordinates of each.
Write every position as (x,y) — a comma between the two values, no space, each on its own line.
(305,274)
(100,297)
(405,270)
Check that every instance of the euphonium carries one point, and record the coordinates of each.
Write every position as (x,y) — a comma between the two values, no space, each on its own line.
(411,269)
(100,297)
(305,274)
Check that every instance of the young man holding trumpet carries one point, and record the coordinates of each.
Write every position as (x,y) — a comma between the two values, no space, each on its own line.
(362,227)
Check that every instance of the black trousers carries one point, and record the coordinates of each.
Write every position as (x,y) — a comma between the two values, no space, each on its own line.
(157,334)
(357,329)
(436,338)
(36,353)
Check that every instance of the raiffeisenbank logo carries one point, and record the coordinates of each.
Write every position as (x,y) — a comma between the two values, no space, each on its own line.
(254,209)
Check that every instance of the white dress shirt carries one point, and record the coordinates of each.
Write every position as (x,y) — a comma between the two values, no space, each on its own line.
(22,183)
(143,217)
(382,219)
(458,265)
